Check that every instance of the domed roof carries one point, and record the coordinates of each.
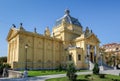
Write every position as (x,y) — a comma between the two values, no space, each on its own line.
(69,19)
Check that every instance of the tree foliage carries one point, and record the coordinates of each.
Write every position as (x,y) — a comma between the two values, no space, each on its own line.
(96,69)
(71,72)
(3,59)
(2,66)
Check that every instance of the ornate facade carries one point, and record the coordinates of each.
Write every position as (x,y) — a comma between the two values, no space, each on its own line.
(68,43)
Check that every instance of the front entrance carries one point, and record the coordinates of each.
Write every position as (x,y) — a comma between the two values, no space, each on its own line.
(91,57)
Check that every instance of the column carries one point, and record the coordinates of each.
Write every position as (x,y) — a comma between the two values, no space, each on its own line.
(8,59)
(88,49)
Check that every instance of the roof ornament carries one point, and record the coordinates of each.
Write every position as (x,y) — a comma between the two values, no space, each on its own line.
(47,32)
(21,27)
(21,24)
(87,31)
(91,31)
(35,30)
(13,25)
(67,12)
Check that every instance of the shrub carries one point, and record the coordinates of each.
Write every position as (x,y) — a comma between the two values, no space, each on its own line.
(96,69)
(2,66)
(59,68)
(3,59)
(71,72)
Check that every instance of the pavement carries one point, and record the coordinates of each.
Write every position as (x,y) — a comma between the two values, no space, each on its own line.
(112,72)
(42,78)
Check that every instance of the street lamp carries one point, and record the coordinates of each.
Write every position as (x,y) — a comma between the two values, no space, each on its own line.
(101,62)
(88,61)
(25,72)
(101,55)
(26,46)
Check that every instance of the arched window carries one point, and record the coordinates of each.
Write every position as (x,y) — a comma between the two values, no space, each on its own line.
(79,57)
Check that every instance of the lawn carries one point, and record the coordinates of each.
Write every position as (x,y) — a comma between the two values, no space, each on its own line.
(44,72)
(90,78)
(48,72)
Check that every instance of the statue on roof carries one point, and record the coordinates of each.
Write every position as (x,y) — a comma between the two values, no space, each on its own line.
(13,25)
(87,31)
(67,12)
(35,30)
(21,27)
(47,31)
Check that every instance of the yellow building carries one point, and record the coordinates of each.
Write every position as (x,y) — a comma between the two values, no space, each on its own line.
(67,43)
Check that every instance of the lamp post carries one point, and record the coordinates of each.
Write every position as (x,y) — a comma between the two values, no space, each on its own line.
(26,46)
(88,61)
(101,62)
(25,72)
(101,55)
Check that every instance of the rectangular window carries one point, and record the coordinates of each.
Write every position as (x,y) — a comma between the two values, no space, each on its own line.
(70,57)
(79,57)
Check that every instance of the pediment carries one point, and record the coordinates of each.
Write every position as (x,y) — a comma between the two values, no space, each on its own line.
(93,38)
(12,33)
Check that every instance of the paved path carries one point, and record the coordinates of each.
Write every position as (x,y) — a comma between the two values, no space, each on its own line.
(112,72)
(42,78)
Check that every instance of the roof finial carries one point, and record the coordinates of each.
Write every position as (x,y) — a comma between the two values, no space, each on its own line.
(13,25)
(67,11)
(21,24)
(35,30)
(21,27)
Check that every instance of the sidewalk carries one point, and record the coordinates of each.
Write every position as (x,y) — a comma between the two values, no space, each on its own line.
(42,78)
(112,72)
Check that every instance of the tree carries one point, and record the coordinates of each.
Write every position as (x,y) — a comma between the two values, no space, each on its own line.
(96,69)
(71,72)
(3,59)
(2,66)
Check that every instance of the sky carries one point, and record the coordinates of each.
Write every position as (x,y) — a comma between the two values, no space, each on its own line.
(102,16)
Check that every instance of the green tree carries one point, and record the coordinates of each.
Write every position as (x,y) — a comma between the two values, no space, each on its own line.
(2,66)
(3,59)
(71,72)
(96,69)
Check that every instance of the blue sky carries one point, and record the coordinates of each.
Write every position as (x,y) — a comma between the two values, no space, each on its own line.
(102,16)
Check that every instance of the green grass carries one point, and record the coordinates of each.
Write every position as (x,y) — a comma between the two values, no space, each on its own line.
(48,72)
(91,78)
(44,72)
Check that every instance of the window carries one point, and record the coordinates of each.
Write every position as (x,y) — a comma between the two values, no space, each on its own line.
(70,57)
(79,57)
(117,49)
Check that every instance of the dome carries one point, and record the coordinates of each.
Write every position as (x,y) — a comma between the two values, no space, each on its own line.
(69,19)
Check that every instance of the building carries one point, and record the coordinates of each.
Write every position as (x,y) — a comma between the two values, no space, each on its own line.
(68,43)
(112,53)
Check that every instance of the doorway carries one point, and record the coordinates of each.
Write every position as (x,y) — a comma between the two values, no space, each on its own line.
(91,57)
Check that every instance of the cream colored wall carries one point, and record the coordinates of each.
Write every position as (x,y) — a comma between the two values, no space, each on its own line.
(42,52)
(12,50)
